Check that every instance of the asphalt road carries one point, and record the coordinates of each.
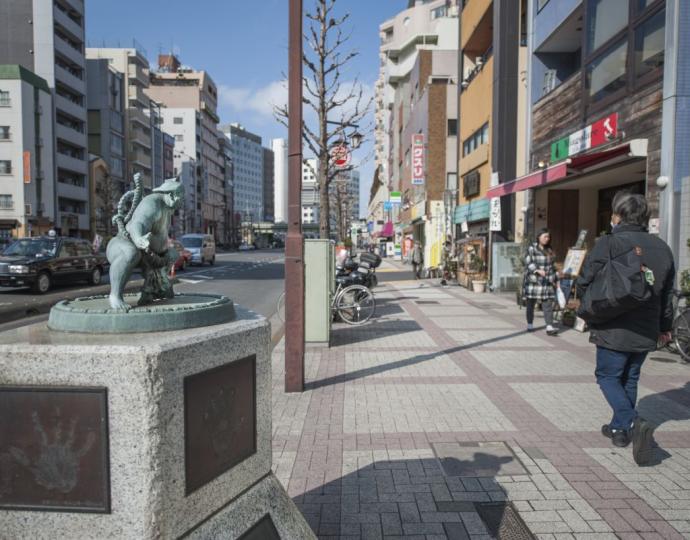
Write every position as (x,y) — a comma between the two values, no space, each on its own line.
(253,279)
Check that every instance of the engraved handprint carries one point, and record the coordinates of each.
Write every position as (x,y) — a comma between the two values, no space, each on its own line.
(57,465)
(218,416)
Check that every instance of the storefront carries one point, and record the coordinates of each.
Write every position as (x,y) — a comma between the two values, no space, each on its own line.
(472,237)
(576,194)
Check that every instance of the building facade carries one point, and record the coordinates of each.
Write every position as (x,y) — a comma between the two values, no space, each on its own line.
(248,162)
(231,221)
(310,192)
(175,86)
(280,187)
(27,167)
(47,38)
(269,185)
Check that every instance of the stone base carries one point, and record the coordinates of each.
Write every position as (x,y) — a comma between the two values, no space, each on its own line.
(140,436)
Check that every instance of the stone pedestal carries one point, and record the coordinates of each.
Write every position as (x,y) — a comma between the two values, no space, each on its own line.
(140,436)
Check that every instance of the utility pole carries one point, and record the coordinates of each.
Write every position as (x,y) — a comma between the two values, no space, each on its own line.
(294,245)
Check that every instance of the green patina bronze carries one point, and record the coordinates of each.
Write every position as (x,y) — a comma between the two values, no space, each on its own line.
(142,242)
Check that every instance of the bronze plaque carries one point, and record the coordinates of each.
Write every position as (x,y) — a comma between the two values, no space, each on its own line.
(54,449)
(263,530)
(220,420)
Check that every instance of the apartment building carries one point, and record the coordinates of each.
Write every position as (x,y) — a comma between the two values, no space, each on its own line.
(310,192)
(134,67)
(416,117)
(280,180)
(231,222)
(175,86)
(269,185)
(47,38)
(248,174)
(106,104)
(27,167)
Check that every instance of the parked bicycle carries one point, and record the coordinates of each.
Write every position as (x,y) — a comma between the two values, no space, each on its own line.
(352,304)
(680,340)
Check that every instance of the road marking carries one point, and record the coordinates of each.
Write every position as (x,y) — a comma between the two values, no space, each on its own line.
(190,281)
(203,277)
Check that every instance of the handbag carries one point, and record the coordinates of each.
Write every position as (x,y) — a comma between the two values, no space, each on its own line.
(560,297)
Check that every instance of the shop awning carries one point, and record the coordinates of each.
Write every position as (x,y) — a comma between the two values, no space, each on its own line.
(8,223)
(387,229)
(475,211)
(571,167)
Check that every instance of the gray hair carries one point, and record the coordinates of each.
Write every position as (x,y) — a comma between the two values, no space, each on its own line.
(632,208)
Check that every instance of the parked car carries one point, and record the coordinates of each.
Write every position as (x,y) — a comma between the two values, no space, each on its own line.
(247,247)
(40,261)
(201,246)
(185,257)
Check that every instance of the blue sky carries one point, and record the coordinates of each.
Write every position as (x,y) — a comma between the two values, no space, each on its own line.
(242,44)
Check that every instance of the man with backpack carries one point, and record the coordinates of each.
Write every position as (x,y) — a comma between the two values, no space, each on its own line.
(626,291)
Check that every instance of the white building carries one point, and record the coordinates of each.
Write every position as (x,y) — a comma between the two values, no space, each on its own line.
(248,164)
(47,38)
(310,192)
(27,168)
(280,186)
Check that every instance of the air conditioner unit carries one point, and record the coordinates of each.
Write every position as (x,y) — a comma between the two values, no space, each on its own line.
(27,210)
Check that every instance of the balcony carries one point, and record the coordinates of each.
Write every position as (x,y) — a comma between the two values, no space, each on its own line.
(137,116)
(139,158)
(136,93)
(137,136)
(76,5)
(69,107)
(69,52)
(70,135)
(136,72)
(71,164)
(68,24)
(71,191)
(66,78)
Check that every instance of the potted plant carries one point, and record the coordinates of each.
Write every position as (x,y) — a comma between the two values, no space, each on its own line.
(477,266)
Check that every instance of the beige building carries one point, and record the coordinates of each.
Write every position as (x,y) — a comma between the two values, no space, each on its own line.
(132,63)
(178,87)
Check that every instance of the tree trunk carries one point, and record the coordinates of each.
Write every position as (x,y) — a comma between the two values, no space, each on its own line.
(324,202)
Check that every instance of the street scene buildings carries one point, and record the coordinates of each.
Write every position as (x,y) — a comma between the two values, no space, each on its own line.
(404,269)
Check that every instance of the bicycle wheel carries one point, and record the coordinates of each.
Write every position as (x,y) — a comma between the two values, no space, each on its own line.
(355,304)
(681,334)
(280,308)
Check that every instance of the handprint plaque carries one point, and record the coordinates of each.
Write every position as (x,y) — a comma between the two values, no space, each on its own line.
(220,420)
(54,449)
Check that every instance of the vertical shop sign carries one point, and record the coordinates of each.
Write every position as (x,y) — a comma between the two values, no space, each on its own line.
(418,159)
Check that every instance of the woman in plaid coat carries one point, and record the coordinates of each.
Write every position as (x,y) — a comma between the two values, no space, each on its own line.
(541,280)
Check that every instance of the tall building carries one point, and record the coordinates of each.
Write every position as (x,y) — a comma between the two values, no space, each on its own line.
(178,87)
(248,162)
(27,173)
(106,108)
(47,38)
(280,190)
(269,182)
(310,192)
(134,66)
(231,221)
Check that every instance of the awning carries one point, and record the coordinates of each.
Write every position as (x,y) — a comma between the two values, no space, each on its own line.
(8,223)
(475,211)
(571,167)
(388,229)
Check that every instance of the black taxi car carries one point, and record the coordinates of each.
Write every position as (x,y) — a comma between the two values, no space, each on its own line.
(40,261)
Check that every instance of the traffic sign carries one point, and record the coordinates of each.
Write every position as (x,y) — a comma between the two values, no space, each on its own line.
(340,156)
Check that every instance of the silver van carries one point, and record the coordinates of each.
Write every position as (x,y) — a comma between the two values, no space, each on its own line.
(201,246)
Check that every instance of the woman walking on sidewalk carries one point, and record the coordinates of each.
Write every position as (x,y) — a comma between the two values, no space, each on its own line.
(541,280)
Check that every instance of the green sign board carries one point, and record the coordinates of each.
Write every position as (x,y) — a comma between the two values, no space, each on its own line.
(560,149)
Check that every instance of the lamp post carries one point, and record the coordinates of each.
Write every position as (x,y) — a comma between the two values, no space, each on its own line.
(294,245)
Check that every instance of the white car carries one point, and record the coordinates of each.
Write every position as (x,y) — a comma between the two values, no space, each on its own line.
(247,247)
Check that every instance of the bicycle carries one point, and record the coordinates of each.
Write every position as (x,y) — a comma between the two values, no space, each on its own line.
(353,304)
(680,331)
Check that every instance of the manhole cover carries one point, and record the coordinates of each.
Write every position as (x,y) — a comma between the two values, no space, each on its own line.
(427,302)
(503,521)
(478,460)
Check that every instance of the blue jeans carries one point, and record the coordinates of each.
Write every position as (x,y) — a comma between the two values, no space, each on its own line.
(617,375)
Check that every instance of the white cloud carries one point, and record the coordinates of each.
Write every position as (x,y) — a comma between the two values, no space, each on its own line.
(259,101)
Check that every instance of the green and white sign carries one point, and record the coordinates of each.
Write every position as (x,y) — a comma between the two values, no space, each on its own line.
(395,197)
(594,135)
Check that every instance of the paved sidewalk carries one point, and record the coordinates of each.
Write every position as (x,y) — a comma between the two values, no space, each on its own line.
(411,424)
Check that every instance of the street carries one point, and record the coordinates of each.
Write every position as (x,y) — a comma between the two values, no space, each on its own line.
(253,279)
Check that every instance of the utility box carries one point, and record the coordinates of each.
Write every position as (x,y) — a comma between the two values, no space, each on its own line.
(319,281)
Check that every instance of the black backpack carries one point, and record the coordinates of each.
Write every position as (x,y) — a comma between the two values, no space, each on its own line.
(621,285)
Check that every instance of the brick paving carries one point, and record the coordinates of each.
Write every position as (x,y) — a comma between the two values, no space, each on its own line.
(445,372)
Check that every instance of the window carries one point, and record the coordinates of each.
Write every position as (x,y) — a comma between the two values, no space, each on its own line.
(605,18)
(6,202)
(4,98)
(606,75)
(177,120)
(4,133)
(452,127)
(474,141)
(5,166)
(439,12)
(649,45)
(179,137)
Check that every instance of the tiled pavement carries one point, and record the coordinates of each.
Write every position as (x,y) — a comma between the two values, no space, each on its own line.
(443,373)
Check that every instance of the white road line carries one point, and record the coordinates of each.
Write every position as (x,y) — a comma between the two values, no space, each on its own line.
(190,281)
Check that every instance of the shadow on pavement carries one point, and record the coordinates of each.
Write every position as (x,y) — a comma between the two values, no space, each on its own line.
(413,497)
(377,328)
(656,406)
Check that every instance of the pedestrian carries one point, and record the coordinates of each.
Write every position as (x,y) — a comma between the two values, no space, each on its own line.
(417,260)
(623,342)
(446,255)
(541,280)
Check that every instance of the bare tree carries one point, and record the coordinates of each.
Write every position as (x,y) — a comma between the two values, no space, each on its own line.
(340,106)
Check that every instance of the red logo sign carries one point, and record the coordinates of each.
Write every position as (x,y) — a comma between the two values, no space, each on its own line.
(604,130)
(340,156)
(418,159)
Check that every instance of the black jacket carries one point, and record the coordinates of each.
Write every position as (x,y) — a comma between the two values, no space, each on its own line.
(639,329)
